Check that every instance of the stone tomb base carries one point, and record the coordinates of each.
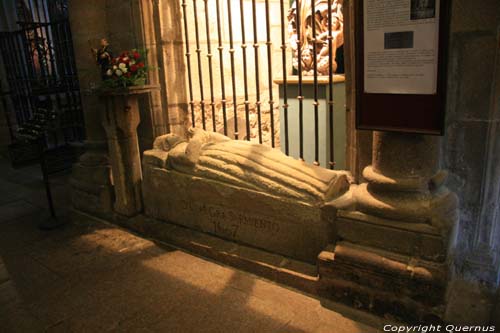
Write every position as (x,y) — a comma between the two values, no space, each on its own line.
(289,228)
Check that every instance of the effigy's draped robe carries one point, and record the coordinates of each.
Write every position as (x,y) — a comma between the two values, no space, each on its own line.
(251,166)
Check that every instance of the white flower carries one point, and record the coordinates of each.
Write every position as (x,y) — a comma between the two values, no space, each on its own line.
(115,67)
(109,72)
(123,67)
(132,62)
(118,72)
(125,59)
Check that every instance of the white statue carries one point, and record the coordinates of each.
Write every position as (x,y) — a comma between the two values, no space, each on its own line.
(322,32)
(251,166)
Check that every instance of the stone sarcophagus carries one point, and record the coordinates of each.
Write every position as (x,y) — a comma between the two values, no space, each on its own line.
(241,191)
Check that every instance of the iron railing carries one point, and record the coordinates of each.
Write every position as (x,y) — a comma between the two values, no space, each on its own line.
(40,68)
(226,28)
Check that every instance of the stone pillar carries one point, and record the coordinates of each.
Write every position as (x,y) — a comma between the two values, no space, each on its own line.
(133,24)
(90,182)
(404,180)
(171,56)
(391,251)
(120,122)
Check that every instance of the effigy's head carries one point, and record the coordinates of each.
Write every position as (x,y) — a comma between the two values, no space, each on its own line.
(167,142)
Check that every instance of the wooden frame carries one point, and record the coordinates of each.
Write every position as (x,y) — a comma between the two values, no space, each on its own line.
(410,113)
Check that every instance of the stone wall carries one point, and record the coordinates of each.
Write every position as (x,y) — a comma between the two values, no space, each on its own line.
(241,116)
(471,153)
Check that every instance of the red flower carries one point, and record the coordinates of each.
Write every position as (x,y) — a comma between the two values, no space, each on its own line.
(134,68)
(128,74)
(140,65)
(136,55)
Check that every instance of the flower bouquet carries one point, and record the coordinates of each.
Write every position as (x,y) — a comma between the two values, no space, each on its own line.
(128,69)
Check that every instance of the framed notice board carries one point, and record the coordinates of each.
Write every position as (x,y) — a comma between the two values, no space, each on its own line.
(401,50)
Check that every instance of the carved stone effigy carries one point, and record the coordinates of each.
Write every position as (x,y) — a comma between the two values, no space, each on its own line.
(242,191)
(321,21)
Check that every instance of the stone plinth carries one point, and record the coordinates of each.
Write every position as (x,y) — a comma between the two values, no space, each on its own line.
(244,192)
(292,229)
(393,249)
(91,188)
(405,183)
(120,122)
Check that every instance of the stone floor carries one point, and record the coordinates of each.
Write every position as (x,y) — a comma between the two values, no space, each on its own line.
(94,277)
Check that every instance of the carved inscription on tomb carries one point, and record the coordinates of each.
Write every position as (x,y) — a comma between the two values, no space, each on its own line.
(228,222)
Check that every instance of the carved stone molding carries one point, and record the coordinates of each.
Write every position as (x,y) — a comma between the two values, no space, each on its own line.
(485,252)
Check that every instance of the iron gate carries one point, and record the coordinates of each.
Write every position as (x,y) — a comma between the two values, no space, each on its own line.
(44,99)
(235,36)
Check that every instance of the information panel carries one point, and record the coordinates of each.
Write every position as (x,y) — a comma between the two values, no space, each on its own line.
(400,54)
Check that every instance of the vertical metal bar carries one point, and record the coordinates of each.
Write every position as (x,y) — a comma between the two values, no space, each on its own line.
(200,71)
(11,59)
(37,27)
(245,78)
(49,38)
(315,68)
(45,173)
(10,68)
(283,60)
(300,97)
(221,65)
(257,74)
(73,79)
(233,74)
(3,96)
(188,62)
(21,81)
(57,35)
(330,85)
(210,69)
(64,73)
(270,70)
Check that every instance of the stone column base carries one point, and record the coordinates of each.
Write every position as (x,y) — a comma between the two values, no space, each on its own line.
(382,282)
(387,268)
(91,187)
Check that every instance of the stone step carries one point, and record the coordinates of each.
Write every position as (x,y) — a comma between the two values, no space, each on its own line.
(418,239)
(377,280)
(277,268)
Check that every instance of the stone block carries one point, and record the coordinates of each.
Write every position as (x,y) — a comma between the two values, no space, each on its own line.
(469,303)
(415,239)
(97,174)
(92,199)
(467,16)
(476,74)
(382,282)
(277,225)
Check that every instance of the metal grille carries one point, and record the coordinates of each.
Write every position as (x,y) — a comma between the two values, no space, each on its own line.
(41,72)
(243,94)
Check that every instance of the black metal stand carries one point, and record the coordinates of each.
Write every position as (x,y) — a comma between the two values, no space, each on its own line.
(52,222)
